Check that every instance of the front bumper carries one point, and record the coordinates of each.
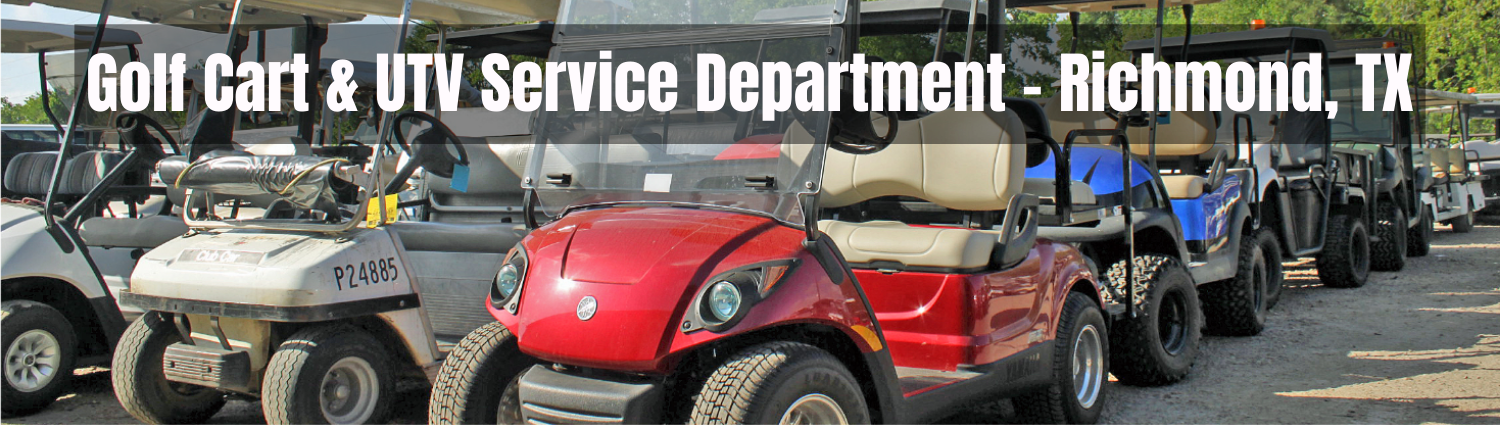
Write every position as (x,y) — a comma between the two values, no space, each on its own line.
(274,313)
(550,397)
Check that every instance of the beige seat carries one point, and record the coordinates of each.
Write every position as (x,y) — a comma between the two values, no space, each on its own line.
(1184,187)
(971,161)
(1185,134)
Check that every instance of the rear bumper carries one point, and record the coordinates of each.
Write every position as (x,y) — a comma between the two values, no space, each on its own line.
(550,397)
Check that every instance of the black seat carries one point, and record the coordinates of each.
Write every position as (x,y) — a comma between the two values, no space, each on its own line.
(28,174)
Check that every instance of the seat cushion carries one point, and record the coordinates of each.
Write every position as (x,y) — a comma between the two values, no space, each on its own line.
(444,237)
(871,243)
(131,232)
(1184,187)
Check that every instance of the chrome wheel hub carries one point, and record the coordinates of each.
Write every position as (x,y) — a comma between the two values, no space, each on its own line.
(1088,366)
(31,360)
(814,409)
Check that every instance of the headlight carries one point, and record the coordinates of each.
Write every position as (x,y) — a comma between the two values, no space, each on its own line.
(507,280)
(506,290)
(724,300)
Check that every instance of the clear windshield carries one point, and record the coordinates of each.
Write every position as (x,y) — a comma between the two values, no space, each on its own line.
(728,158)
(1353,123)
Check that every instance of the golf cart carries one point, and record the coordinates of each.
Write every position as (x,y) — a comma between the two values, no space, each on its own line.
(720,267)
(1455,192)
(1488,152)
(320,305)
(62,265)
(1311,195)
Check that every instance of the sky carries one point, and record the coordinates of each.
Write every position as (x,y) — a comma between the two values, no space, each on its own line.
(18,72)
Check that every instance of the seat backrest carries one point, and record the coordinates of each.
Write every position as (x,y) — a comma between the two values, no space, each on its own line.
(29,173)
(86,170)
(961,160)
(1185,133)
(496,165)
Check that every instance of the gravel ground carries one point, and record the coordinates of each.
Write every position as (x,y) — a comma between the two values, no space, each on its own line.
(1419,346)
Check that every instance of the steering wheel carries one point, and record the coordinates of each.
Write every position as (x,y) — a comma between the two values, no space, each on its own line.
(133,131)
(853,132)
(428,149)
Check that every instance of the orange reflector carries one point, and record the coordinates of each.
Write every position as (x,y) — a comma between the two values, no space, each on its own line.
(1258,24)
(870,337)
(1472,90)
(1388,44)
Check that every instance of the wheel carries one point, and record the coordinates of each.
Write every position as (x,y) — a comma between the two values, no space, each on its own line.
(1237,306)
(480,380)
(1159,345)
(1345,260)
(1463,223)
(781,383)
(1419,239)
(143,388)
(1079,368)
(335,374)
(1270,246)
(40,351)
(1389,253)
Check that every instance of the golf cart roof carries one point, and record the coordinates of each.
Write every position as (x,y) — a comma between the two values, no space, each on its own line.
(1489,111)
(450,12)
(1065,6)
(874,15)
(1439,97)
(32,37)
(533,39)
(204,16)
(1240,44)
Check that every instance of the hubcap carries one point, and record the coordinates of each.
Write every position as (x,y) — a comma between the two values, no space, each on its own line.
(31,360)
(1171,324)
(1088,366)
(349,392)
(814,409)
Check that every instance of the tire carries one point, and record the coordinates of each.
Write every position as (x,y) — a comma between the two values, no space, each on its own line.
(1463,223)
(1073,398)
(1389,253)
(1238,306)
(1159,345)
(341,358)
(480,380)
(142,387)
(40,351)
(1345,260)
(1419,239)
(1270,245)
(763,383)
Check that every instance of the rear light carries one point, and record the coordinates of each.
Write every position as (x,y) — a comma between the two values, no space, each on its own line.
(1257,24)
(1388,44)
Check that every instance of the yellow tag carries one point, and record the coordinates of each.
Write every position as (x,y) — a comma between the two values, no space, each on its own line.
(372,214)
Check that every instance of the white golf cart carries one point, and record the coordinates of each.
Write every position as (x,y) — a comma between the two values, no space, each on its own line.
(318,307)
(1454,193)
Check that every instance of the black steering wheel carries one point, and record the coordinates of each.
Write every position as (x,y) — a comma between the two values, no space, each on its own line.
(428,150)
(853,132)
(133,128)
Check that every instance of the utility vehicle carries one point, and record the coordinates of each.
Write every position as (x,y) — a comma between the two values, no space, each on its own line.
(1488,152)
(1397,228)
(1311,195)
(1455,193)
(318,306)
(722,268)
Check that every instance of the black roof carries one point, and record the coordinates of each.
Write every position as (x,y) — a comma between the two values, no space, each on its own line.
(533,39)
(1240,44)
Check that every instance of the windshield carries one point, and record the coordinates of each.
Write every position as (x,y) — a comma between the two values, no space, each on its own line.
(1353,123)
(582,17)
(725,158)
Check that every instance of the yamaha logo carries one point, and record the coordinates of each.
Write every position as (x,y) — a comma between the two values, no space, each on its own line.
(586,307)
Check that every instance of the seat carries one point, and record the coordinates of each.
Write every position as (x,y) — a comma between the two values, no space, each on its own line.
(871,243)
(1186,133)
(86,170)
(1046,189)
(1184,186)
(145,232)
(494,193)
(28,173)
(960,160)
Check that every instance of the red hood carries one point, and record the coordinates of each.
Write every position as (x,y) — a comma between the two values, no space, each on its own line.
(642,265)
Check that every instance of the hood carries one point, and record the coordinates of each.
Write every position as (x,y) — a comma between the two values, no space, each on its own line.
(641,266)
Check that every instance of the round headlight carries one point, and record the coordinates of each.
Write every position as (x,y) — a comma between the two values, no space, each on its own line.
(507,281)
(724,300)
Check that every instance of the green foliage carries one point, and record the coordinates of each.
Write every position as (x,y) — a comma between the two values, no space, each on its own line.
(29,110)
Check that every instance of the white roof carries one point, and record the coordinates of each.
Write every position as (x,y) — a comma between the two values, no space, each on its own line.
(32,37)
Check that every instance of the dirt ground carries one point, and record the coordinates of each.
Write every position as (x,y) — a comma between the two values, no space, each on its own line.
(1419,346)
